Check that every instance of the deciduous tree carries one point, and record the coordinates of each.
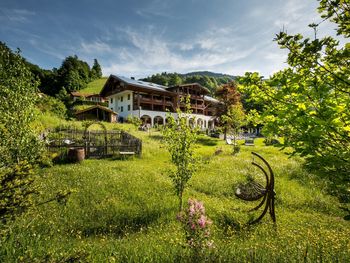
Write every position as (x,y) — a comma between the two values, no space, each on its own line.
(308,102)
(228,96)
(179,139)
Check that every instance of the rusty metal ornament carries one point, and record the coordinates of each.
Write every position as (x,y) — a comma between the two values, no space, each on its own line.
(253,191)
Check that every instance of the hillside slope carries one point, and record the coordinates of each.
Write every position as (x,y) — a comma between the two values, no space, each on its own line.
(94,86)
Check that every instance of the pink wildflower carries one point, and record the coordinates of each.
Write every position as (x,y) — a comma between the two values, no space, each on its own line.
(191,210)
(201,221)
(199,207)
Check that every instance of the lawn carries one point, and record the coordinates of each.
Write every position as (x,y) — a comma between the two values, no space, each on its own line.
(94,86)
(125,211)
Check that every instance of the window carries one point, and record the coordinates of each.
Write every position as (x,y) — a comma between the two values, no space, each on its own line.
(121,98)
(129,107)
(121,109)
(128,96)
(111,100)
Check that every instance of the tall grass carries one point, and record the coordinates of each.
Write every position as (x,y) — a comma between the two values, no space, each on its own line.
(125,211)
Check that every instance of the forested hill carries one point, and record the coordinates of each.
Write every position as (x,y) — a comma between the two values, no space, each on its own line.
(74,74)
(209,74)
(207,79)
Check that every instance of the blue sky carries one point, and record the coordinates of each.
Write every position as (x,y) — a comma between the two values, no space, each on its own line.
(142,37)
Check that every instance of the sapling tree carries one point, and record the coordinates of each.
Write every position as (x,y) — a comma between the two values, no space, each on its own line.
(180,140)
(234,119)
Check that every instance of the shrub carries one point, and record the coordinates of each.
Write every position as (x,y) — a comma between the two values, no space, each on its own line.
(53,105)
(196,225)
(20,147)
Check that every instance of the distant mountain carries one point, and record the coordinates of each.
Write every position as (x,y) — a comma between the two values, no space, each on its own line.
(209,74)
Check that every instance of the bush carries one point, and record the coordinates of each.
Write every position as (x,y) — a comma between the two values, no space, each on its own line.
(52,105)
(20,148)
(196,225)
(271,141)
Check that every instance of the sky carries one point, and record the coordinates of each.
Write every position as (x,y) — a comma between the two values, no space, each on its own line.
(142,37)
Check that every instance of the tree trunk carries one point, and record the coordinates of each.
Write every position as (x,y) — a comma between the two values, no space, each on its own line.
(180,201)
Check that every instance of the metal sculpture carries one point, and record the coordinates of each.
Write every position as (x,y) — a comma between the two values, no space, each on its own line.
(253,191)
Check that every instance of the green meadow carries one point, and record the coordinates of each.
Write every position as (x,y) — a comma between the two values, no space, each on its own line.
(94,86)
(125,211)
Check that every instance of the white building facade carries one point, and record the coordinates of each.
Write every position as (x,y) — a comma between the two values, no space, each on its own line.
(153,103)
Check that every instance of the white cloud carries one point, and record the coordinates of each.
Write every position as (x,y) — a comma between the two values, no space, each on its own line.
(15,15)
(149,52)
(157,8)
(95,47)
(232,49)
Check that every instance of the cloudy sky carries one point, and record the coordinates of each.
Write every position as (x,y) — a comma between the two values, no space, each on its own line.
(142,37)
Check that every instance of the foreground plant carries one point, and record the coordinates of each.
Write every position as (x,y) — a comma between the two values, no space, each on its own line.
(20,148)
(308,102)
(179,139)
(196,225)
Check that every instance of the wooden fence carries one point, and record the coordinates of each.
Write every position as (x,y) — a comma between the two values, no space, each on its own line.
(97,144)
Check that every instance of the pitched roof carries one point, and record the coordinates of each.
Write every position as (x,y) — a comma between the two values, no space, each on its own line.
(140,83)
(211,99)
(96,106)
(77,94)
(137,84)
(86,95)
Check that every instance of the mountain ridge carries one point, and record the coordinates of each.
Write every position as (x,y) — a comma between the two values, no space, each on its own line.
(208,73)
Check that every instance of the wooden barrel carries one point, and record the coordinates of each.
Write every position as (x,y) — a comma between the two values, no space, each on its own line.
(76,154)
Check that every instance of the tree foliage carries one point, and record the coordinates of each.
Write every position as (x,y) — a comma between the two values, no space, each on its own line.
(337,11)
(205,79)
(53,105)
(96,71)
(179,139)
(134,120)
(20,148)
(228,96)
(308,102)
(234,119)
(74,74)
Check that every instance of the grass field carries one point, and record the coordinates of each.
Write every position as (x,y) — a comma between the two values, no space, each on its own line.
(94,86)
(125,211)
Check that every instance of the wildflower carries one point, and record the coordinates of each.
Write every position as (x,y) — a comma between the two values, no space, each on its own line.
(196,226)
(202,221)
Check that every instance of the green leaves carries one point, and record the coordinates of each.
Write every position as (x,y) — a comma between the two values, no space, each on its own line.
(308,103)
(20,148)
(179,139)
